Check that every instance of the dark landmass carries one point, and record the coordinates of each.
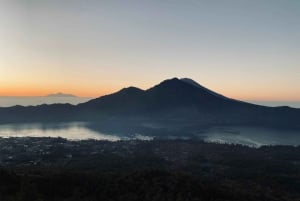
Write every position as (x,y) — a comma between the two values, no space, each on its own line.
(58,169)
(61,95)
(173,104)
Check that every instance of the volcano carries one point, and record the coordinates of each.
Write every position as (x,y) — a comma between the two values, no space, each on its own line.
(177,102)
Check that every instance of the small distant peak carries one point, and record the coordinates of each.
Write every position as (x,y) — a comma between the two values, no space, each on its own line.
(130,89)
(59,94)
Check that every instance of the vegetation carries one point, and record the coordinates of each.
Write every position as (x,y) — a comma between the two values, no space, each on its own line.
(138,170)
(149,185)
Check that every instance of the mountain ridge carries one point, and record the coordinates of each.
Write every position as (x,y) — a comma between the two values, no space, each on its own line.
(176,102)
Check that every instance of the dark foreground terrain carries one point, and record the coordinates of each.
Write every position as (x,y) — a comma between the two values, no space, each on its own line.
(56,169)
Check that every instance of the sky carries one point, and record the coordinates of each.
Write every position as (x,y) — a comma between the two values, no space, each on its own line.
(243,49)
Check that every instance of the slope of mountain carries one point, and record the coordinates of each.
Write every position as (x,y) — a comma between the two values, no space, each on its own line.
(192,82)
(173,103)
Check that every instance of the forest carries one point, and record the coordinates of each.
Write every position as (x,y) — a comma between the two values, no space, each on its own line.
(58,169)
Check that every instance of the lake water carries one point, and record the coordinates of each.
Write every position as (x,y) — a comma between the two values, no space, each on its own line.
(71,131)
(252,136)
(81,131)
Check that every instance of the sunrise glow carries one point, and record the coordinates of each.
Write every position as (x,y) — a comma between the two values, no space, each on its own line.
(48,47)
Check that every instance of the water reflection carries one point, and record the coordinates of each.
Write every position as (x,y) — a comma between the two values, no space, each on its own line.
(252,136)
(72,131)
(80,131)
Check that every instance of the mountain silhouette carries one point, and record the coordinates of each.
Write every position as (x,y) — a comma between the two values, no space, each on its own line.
(170,97)
(173,103)
(59,94)
(169,94)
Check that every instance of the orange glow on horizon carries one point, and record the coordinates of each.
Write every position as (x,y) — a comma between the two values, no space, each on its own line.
(45,91)
(83,88)
(86,92)
(260,96)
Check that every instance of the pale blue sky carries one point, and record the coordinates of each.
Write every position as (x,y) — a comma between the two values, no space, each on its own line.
(246,49)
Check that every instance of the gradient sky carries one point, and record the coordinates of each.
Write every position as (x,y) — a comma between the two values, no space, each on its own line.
(245,49)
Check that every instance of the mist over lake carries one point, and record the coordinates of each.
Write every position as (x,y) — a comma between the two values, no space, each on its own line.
(249,136)
(252,136)
(70,131)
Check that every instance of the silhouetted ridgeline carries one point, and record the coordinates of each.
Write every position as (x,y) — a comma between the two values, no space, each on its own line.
(172,102)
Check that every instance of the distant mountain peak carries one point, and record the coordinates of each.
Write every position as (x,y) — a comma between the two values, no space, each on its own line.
(59,94)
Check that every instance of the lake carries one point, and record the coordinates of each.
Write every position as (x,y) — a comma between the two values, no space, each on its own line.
(71,131)
(81,131)
(252,136)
